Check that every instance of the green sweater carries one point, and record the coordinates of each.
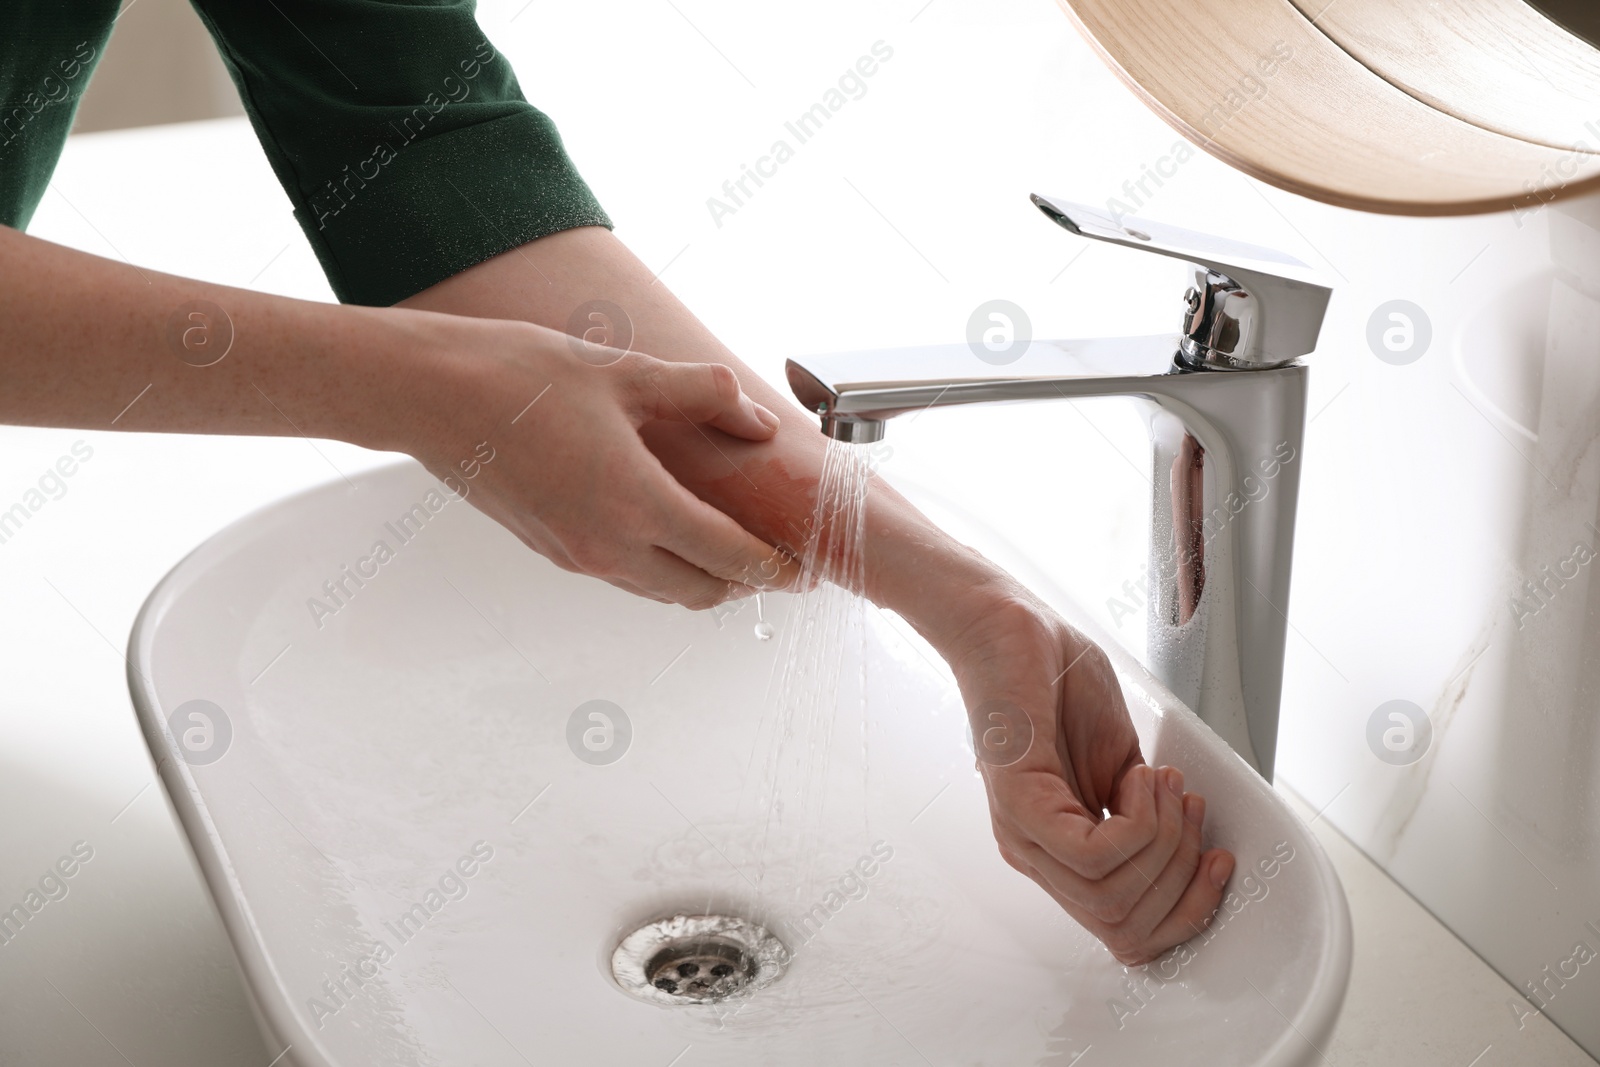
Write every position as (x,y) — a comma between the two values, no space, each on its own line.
(396,128)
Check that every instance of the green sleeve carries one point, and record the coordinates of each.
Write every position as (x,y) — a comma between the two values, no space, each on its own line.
(48,49)
(401,136)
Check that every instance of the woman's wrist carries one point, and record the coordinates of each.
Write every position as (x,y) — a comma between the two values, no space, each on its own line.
(937,584)
(415,381)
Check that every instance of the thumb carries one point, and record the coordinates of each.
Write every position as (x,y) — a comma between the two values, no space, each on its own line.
(705,393)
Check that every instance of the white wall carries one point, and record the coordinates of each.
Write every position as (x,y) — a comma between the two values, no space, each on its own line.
(159,66)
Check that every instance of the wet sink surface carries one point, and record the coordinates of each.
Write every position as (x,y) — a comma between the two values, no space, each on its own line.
(379,758)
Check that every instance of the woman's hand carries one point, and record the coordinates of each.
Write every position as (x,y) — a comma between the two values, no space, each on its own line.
(561,419)
(1057,750)
(565,468)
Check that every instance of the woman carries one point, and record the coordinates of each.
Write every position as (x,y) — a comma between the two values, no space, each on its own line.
(467,252)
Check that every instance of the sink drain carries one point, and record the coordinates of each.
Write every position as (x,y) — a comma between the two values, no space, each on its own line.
(697,959)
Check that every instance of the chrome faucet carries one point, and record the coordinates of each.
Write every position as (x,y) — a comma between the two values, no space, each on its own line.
(1226,400)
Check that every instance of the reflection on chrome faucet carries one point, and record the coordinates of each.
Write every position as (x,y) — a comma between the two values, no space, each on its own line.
(1188,526)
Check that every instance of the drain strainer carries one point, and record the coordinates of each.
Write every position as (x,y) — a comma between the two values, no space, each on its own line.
(697,959)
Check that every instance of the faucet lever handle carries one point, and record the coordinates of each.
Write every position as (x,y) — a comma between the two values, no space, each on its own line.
(1251,308)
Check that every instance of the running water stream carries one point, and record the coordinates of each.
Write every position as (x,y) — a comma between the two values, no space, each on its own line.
(804,812)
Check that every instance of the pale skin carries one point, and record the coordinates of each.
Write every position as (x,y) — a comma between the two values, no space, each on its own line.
(680,475)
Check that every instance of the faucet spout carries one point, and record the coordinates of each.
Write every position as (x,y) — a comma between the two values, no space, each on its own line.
(876,386)
(1226,408)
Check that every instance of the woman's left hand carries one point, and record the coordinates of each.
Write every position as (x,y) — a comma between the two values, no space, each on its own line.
(1074,806)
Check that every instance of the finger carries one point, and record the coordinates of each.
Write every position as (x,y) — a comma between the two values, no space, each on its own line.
(706,393)
(1090,849)
(1135,759)
(1112,899)
(1173,881)
(1154,858)
(551,549)
(1125,953)
(1090,682)
(629,587)
(704,537)
(1101,903)
(1116,901)
(1197,908)
(665,576)
(1127,948)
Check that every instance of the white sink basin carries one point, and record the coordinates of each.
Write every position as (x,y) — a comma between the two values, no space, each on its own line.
(377,753)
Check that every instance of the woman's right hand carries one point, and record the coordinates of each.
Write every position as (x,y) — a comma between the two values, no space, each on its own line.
(542,433)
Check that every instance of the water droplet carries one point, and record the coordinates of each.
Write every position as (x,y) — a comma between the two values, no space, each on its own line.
(764,631)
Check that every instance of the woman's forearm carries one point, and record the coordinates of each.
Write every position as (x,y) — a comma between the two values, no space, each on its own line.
(768,487)
(89,342)
(92,342)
